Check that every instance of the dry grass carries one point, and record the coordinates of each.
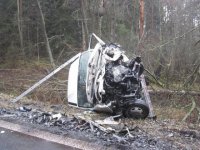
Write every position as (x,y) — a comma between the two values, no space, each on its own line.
(53,92)
(163,112)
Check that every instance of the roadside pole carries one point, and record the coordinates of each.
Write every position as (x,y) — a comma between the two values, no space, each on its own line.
(46,78)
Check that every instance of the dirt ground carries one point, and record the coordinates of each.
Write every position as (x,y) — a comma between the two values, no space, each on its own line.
(167,132)
(145,134)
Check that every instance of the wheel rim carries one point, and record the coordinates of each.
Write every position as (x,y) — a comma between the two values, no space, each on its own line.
(137,112)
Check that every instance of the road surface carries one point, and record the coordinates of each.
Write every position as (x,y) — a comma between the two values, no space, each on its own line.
(12,140)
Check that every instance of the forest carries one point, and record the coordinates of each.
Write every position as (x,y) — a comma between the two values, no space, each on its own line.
(37,36)
(165,33)
(55,30)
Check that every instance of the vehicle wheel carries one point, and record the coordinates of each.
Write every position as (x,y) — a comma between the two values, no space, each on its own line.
(137,111)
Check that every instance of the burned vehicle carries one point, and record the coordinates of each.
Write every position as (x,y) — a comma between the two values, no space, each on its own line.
(105,80)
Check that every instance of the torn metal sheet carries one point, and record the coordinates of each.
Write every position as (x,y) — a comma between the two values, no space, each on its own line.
(24,109)
(109,82)
(105,80)
(105,124)
(103,108)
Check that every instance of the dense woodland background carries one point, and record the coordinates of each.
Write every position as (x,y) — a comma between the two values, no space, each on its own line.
(55,30)
(36,36)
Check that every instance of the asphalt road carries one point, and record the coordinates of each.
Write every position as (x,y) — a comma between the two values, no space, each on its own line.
(11,140)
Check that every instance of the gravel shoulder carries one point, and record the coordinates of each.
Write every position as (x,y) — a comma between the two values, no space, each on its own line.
(136,134)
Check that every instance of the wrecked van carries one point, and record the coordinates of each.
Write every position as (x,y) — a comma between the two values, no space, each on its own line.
(105,80)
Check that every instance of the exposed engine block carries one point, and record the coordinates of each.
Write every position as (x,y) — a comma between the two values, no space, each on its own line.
(121,84)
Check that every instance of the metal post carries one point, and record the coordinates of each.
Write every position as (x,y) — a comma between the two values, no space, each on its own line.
(46,78)
(147,97)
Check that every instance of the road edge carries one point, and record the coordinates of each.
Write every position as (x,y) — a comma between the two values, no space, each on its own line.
(51,137)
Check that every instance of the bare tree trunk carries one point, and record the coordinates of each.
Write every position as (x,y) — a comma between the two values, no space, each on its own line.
(84,24)
(159,69)
(112,30)
(113,23)
(85,19)
(100,25)
(141,25)
(141,18)
(101,13)
(133,20)
(45,36)
(83,37)
(19,22)
(38,51)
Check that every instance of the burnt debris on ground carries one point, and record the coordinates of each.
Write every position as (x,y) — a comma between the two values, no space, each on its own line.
(106,131)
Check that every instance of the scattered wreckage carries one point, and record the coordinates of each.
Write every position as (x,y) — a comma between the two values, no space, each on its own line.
(105,80)
(106,132)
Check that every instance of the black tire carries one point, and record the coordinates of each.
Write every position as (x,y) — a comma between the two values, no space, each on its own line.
(137,110)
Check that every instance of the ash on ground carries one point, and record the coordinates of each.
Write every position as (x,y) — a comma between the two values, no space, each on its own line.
(104,130)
